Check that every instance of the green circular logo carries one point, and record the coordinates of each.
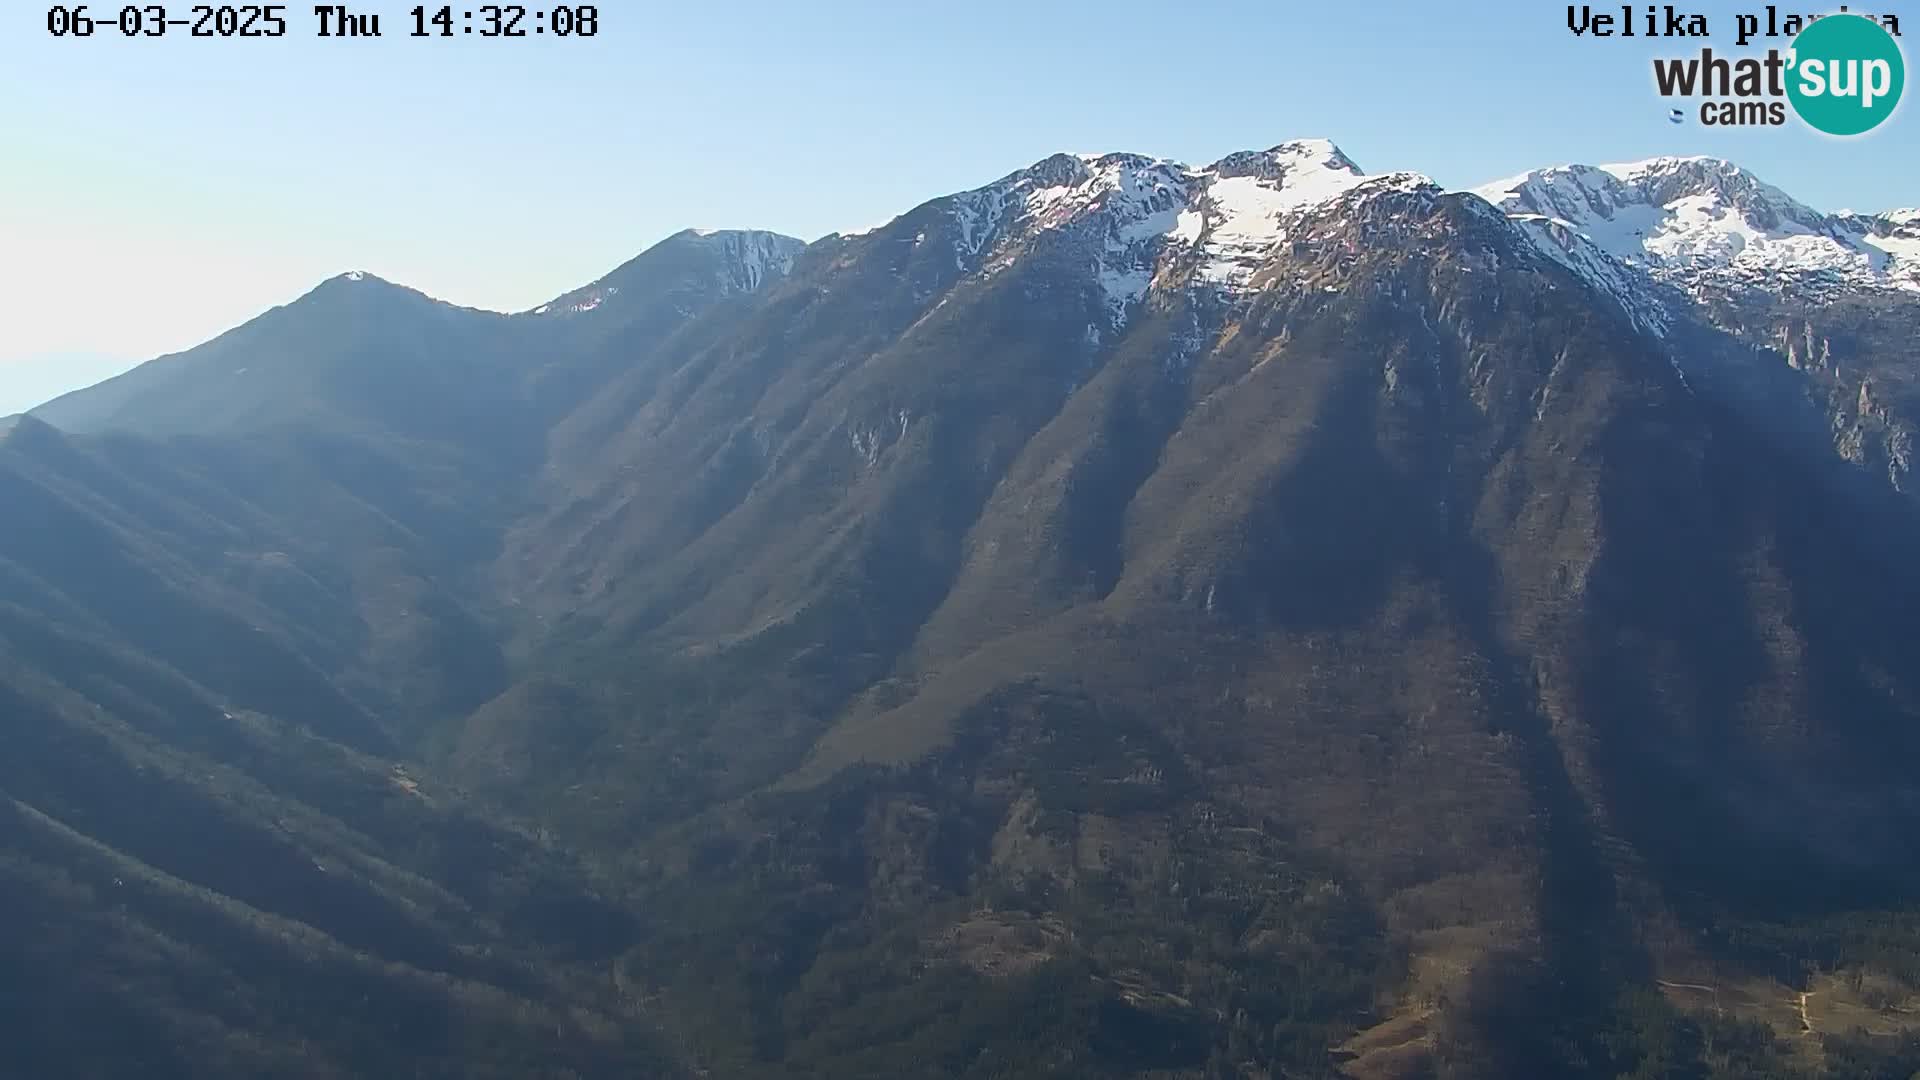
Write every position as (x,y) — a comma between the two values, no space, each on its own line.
(1845,74)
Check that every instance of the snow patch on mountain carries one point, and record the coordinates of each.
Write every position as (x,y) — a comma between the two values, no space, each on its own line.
(1593,264)
(976,214)
(1697,221)
(1902,248)
(1897,233)
(1123,212)
(1136,202)
(1249,198)
(1634,231)
(1112,208)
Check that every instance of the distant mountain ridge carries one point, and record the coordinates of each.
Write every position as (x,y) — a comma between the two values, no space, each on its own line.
(1706,221)
(1688,221)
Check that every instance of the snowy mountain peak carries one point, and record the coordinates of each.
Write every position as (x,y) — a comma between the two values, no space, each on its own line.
(1059,170)
(1250,199)
(1288,157)
(1660,182)
(1063,191)
(1699,221)
(1233,213)
(1666,179)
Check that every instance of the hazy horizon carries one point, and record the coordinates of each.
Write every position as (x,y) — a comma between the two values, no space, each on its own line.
(28,382)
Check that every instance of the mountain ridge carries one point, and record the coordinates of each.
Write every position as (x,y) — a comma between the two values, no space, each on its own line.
(1706,221)
(1122,619)
(1241,230)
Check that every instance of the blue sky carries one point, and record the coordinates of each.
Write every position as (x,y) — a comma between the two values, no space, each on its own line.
(156,192)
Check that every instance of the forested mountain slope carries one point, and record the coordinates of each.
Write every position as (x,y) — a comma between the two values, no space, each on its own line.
(1127,619)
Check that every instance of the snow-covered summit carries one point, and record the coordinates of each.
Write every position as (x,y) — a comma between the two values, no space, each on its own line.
(1696,221)
(1128,210)
(1277,161)
(1248,201)
(1631,230)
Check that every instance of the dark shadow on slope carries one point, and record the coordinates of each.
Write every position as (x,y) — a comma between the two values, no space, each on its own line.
(1325,543)
(195,832)
(1733,795)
